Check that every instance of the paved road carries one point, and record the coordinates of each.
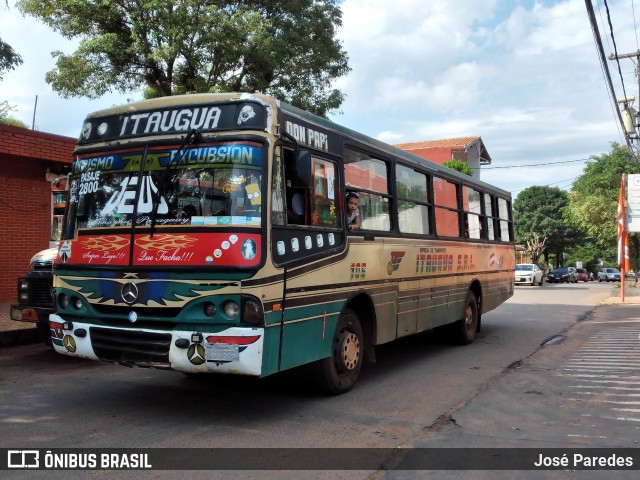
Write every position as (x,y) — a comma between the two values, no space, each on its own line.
(510,388)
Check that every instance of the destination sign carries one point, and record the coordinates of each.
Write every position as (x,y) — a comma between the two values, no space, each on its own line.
(174,120)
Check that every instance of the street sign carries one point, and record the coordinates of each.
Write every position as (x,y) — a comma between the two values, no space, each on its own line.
(633,203)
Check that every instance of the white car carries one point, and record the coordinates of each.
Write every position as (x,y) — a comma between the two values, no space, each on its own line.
(528,274)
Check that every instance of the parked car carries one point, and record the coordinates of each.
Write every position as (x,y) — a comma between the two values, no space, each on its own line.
(528,274)
(583,275)
(573,275)
(609,275)
(560,275)
(35,296)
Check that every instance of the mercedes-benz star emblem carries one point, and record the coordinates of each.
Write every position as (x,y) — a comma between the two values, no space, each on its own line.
(129,293)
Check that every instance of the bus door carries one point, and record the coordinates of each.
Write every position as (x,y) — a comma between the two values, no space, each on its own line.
(307,233)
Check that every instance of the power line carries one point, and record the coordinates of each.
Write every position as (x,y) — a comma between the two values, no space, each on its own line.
(531,164)
(615,48)
(598,40)
(547,185)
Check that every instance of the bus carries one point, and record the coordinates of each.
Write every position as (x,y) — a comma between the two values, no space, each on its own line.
(207,233)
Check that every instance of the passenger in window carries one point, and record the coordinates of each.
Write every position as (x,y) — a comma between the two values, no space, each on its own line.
(186,212)
(353,211)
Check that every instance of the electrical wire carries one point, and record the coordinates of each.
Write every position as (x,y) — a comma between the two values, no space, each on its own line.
(603,64)
(615,48)
(531,164)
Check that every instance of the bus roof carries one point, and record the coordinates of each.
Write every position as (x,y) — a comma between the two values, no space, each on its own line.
(204,98)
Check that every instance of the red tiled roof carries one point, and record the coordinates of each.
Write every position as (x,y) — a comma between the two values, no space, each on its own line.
(450,143)
(445,142)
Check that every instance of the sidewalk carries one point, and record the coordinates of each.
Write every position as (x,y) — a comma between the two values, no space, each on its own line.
(22,333)
(12,332)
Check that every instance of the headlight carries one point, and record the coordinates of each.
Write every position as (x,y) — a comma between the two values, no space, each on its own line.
(231,309)
(252,313)
(76,302)
(63,301)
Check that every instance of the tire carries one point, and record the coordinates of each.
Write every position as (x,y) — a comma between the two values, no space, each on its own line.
(464,330)
(44,334)
(338,373)
(541,281)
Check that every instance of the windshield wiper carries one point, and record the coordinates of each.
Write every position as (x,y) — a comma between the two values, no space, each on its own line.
(175,160)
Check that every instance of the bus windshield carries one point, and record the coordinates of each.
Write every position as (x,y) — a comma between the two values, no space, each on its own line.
(212,184)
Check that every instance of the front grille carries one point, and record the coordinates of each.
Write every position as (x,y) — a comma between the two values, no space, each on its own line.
(158,312)
(125,346)
(40,292)
(42,266)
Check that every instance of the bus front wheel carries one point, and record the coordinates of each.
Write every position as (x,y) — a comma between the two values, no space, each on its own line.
(465,329)
(338,373)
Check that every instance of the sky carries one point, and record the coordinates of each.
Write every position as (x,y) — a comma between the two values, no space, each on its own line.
(523,75)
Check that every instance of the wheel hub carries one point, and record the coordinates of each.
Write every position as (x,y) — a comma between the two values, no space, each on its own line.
(349,353)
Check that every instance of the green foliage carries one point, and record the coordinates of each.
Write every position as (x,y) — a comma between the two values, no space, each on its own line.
(9,58)
(459,166)
(539,210)
(589,254)
(12,121)
(594,199)
(286,48)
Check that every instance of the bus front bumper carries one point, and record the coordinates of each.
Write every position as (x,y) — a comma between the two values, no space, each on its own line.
(234,350)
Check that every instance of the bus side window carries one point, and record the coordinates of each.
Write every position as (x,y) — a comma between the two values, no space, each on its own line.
(370,178)
(489,212)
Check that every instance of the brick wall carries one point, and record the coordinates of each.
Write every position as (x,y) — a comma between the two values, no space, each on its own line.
(30,144)
(25,198)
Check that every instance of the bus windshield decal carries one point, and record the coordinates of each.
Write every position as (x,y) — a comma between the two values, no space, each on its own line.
(218,184)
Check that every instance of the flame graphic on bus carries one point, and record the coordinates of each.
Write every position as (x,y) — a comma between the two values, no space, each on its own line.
(165,242)
(105,243)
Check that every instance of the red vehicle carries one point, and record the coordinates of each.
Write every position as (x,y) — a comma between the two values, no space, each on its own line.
(582,274)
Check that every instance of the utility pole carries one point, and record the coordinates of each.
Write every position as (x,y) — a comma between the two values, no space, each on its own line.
(630,118)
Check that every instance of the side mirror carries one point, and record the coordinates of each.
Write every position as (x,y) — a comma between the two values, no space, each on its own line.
(302,173)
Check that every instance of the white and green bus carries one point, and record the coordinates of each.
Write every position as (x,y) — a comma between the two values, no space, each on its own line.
(208,234)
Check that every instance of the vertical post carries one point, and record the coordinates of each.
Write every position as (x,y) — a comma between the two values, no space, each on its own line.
(35,106)
(623,242)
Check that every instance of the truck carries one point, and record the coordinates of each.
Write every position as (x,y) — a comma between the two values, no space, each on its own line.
(35,294)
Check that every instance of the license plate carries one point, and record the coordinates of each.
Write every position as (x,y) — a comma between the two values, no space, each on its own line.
(220,352)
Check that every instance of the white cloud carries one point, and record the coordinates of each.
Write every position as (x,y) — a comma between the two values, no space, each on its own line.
(25,88)
(525,76)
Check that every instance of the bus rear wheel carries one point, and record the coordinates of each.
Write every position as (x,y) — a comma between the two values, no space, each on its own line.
(465,329)
(338,373)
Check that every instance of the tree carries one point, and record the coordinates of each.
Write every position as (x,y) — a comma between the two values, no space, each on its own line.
(538,211)
(286,48)
(535,247)
(594,199)
(459,165)
(9,58)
